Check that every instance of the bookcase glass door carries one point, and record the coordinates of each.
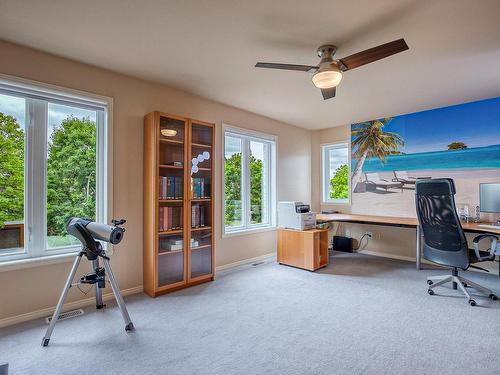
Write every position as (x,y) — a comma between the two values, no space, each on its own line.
(201,165)
(171,167)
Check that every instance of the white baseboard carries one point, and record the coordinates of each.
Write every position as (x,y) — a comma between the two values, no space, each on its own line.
(245,261)
(42,313)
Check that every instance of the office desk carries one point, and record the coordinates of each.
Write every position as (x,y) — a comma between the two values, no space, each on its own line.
(402,222)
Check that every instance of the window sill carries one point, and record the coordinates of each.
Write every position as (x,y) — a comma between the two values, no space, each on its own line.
(336,203)
(243,232)
(35,262)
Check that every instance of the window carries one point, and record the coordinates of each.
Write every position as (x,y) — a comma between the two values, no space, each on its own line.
(249,180)
(335,174)
(53,160)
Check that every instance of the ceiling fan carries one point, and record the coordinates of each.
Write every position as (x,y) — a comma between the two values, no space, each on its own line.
(328,73)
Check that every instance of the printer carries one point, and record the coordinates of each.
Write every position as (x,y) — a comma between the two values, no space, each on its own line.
(295,215)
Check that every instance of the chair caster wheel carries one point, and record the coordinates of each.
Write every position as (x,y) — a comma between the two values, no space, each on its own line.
(472,302)
(493,297)
(465,285)
(430,291)
(430,282)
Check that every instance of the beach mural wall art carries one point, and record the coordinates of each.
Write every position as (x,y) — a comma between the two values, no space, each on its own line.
(388,155)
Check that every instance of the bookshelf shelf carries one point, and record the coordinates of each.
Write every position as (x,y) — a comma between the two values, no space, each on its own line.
(171,166)
(177,258)
(171,231)
(170,252)
(200,247)
(201,145)
(171,141)
(197,229)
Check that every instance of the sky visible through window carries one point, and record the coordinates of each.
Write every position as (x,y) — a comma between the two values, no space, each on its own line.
(15,107)
(338,157)
(233,146)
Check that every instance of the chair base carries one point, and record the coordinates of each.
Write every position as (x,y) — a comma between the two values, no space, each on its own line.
(462,283)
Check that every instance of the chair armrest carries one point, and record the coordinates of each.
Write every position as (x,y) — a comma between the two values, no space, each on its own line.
(478,239)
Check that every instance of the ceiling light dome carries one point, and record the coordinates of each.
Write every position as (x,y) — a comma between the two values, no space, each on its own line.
(328,76)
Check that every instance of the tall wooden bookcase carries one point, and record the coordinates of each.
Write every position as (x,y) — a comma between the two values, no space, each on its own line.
(178,202)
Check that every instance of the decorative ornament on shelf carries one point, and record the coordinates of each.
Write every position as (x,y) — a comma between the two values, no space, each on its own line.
(199,159)
(168,132)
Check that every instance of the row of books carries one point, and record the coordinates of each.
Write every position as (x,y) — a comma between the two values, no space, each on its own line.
(175,243)
(197,215)
(200,187)
(170,218)
(171,187)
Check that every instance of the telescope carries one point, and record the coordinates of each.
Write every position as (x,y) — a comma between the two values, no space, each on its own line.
(103,232)
(90,233)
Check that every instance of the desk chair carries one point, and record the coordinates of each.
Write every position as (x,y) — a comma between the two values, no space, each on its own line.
(444,238)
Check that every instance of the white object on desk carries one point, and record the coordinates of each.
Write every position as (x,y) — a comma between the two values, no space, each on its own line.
(290,216)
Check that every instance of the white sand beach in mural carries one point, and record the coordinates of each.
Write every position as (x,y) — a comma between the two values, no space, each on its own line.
(401,202)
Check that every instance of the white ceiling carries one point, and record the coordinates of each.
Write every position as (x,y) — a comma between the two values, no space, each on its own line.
(210,47)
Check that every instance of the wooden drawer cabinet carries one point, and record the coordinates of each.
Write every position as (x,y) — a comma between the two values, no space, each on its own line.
(306,249)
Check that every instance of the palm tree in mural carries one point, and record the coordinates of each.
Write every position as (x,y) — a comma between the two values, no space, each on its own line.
(370,140)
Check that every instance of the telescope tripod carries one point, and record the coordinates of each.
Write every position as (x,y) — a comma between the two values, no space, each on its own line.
(97,278)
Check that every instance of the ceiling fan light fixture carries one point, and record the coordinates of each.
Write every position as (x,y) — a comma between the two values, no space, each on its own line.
(327,79)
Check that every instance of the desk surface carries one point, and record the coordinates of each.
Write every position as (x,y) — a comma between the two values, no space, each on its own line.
(407,222)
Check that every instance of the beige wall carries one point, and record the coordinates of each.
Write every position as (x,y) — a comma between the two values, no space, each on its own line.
(27,290)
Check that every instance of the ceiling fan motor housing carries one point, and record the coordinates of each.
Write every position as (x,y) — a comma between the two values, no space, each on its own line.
(327,50)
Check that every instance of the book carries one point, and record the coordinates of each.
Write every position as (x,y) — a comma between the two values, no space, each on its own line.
(175,163)
(161,224)
(200,187)
(171,247)
(175,240)
(170,187)
(197,215)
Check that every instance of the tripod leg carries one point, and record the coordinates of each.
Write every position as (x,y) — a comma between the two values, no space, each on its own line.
(69,280)
(98,290)
(129,326)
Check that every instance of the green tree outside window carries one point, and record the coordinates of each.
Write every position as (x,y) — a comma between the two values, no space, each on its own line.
(11,170)
(232,190)
(71,174)
(339,183)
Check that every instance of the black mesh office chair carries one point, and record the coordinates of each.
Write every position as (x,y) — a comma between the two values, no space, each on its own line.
(444,239)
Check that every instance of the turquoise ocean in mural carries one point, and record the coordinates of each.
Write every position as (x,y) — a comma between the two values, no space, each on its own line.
(479,157)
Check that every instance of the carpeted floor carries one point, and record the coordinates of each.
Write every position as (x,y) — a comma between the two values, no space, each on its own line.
(361,315)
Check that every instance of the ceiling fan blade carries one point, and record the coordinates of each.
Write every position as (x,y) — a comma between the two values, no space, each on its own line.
(372,54)
(328,93)
(302,68)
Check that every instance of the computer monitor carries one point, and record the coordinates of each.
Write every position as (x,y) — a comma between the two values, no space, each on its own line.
(489,198)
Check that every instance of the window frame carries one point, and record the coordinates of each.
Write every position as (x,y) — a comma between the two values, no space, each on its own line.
(247,136)
(37,96)
(325,166)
